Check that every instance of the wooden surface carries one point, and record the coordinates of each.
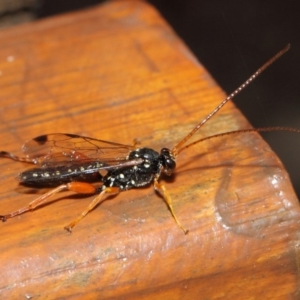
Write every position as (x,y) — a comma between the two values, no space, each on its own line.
(118,72)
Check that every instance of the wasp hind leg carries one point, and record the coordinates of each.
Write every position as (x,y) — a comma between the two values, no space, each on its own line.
(77,187)
(163,192)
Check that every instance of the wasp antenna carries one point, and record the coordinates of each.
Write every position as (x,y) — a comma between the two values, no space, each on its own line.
(262,129)
(177,149)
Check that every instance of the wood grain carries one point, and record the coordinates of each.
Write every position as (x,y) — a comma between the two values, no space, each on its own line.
(118,72)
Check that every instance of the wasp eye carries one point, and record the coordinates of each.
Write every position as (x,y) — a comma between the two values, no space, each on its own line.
(167,160)
(170,164)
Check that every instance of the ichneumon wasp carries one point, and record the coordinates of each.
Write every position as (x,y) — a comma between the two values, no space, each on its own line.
(72,162)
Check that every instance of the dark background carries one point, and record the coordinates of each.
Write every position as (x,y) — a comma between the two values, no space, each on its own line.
(231,39)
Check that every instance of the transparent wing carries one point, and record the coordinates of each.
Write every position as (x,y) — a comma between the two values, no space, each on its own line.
(63,149)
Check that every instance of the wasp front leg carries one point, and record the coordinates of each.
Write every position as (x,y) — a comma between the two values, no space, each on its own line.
(163,192)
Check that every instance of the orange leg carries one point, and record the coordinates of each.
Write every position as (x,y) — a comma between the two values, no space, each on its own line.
(135,143)
(95,202)
(77,187)
(163,192)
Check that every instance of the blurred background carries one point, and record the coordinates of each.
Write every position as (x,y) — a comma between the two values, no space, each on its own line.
(231,39)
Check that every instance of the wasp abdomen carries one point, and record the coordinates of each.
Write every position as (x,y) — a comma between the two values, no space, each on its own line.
(52,176)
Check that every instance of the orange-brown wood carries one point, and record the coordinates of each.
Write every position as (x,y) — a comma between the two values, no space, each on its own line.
(118,72)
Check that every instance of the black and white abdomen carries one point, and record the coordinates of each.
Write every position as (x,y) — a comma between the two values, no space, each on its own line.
(135,176)
(54,176)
